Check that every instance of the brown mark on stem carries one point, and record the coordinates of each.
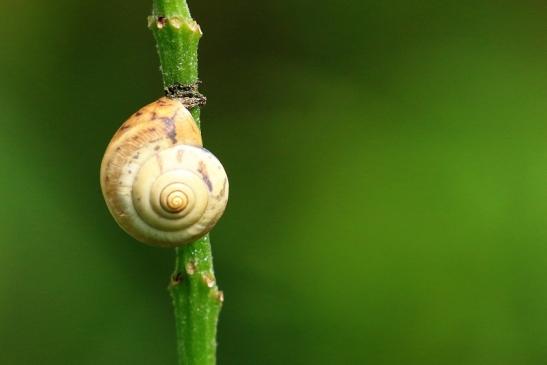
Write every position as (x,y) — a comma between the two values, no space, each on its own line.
(190,268)
(218,295)
(176,279)
(161,22)
(208,279)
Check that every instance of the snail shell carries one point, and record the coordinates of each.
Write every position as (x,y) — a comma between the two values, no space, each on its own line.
(158,182)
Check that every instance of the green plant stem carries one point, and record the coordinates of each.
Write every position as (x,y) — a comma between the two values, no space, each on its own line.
(196,298)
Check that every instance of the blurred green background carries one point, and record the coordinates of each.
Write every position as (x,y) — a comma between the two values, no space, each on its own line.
(388,166)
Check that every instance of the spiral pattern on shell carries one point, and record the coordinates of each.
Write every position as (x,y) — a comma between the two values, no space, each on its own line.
(160,185)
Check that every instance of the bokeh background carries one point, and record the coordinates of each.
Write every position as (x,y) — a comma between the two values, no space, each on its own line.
(388,165)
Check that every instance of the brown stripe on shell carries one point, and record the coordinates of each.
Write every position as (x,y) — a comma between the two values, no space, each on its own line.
(170,129)
(162,102)
(202,169)
(160,162)
(220,195)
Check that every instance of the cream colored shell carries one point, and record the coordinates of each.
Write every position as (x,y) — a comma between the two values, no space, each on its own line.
(160,185)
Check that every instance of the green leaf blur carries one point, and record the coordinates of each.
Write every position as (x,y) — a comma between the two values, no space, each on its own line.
(388,166)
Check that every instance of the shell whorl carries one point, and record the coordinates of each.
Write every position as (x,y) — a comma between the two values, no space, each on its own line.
(160,185)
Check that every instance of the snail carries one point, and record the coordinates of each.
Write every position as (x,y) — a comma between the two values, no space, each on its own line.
(160,185)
